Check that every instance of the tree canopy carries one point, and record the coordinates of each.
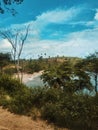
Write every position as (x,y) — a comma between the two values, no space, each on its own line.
(70,78)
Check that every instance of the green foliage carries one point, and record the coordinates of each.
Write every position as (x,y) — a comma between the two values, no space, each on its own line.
(91,66)
(83,80)
(10,85)
(10,71)
(21,102)
(76,112)
(5,58)
(52,95)
(37,96)
(59,103)
(70,78)
(14,95)
(33,66)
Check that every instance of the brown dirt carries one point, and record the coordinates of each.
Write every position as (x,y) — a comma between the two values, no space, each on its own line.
(10,121)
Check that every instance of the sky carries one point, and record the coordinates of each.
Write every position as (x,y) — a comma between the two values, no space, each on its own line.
(57,27)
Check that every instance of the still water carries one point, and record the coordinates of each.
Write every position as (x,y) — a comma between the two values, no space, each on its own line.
(35,82)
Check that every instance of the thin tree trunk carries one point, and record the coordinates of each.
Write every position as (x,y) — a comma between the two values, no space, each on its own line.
(17,43)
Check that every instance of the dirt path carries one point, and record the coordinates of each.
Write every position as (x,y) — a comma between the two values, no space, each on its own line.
(9,121)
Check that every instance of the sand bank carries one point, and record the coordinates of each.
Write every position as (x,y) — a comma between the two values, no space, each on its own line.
(28,77)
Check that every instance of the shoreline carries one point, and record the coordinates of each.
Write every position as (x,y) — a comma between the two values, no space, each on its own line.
(28,77)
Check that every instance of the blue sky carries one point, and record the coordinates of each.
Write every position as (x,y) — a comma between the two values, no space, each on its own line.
(57,27)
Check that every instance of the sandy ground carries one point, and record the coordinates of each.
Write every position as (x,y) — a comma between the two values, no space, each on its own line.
(10,121)
(28,77)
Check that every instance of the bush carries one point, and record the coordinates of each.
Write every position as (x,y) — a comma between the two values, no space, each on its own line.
(10,71)
(22,102)
(37,96)
(52,95)
(9,85)
(76,112)
(14,95)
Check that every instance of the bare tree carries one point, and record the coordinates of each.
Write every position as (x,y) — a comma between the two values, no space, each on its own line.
(17,39)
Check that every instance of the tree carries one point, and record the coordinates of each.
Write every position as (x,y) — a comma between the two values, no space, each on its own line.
(82,78)
(91,66)
(17,39)
(4,60)
(68,77)
(5,5)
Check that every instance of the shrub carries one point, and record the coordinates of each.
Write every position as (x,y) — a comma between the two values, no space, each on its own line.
(52,95)
(9,85)
(14,95)
(76,112)
(10,71)
(38,96)
(22,102)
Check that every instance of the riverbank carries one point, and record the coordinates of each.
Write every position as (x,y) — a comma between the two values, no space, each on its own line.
(29,77)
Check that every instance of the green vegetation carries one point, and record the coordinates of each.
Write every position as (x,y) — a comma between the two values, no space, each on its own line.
(71,78)
(91,65)
(4,60)
(63,101)
(76,112)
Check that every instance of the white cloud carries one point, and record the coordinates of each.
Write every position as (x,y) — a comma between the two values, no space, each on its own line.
(86,42)
(96,15)
(5,45)
(77,44)
(58,15)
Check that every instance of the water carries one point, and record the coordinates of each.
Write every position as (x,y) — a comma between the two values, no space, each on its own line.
(35,82)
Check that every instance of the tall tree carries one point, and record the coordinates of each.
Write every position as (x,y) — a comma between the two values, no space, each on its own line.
(82,78)
(70,78)
(6,5)
(17,40)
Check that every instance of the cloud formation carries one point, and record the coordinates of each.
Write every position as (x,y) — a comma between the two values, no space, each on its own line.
(96,15)
(58,16)
(60,31)
(5,45)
